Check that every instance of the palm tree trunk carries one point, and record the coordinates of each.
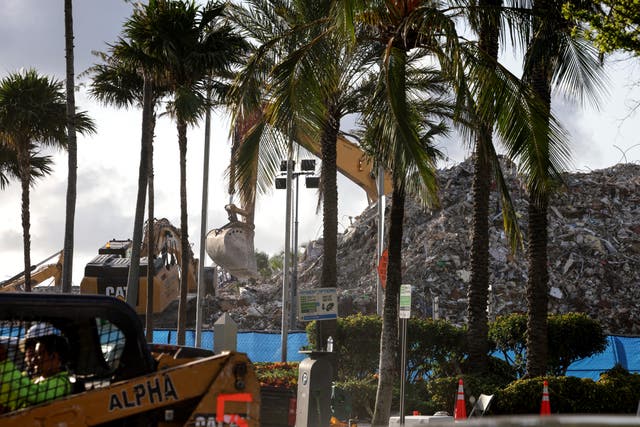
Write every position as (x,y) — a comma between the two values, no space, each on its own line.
(537,292)
(133,280)
(538,275)
(184,268)
(329,273)
(388,367)
(25,179)
(150,247)
(67,265)
(478,345)
(477,337)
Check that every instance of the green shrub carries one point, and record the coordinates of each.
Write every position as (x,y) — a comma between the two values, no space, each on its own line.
(443,392)
(356,398)
(616,392)
(356,344)
(434,348)
(571,336)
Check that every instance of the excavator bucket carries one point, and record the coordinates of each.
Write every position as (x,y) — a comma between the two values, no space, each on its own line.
(231,247)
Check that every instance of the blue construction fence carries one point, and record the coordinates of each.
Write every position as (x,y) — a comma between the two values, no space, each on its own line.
(266,347)
(259,346)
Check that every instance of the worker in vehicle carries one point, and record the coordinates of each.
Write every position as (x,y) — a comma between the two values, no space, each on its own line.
(50,377)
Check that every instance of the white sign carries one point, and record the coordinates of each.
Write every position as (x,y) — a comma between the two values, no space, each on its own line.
(405,302)
(317,304)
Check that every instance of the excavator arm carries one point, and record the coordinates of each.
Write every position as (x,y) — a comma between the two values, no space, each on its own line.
(39,274)
(352,162)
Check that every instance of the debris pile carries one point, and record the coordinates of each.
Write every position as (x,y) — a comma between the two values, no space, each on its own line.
(593,252)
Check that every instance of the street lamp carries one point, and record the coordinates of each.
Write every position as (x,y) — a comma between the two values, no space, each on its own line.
(307,169)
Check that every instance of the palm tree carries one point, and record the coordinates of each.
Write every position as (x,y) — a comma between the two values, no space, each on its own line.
(553,59)
(67,266)
(300,95)
(33,115)
(189,44)
(487,18)
(120,81)
(408,152)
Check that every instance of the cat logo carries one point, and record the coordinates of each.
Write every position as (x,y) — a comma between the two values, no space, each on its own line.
(119,292)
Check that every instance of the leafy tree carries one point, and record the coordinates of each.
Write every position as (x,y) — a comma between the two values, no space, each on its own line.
(33,115)
(190,44)
(611,24)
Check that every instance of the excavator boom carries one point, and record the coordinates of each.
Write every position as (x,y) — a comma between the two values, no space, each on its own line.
(352,162)
(40,272)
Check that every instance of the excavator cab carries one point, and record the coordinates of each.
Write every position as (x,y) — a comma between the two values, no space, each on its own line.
(115,377)
(231,246)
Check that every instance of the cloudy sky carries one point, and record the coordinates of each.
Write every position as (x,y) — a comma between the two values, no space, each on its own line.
(32,34)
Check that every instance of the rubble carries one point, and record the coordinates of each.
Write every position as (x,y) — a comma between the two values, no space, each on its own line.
(594,255)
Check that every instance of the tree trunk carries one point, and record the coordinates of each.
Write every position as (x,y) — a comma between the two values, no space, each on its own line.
(329,188)
(537,292)
(24,162)
(67,265)
(151,270)
(538,275)
(477,339)
(184,268)
(133,280)
(388,367)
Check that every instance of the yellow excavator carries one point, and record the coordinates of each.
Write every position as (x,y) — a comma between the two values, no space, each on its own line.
(116,378)
(107,273)
(232,246)
(40,273)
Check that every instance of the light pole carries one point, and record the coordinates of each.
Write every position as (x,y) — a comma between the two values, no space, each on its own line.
(307,168)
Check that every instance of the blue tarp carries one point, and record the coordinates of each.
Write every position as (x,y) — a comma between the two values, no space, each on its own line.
(621,350)
(259,346)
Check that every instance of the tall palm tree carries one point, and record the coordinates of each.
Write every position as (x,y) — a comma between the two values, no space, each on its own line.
(491,20)
(190,44)
(553,60)
(33,115)
(300,95)
(409,154)
(67,266)
(120,81)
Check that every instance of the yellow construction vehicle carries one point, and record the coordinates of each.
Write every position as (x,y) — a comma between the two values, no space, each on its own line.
(40,273)
(107,273)
(114,376)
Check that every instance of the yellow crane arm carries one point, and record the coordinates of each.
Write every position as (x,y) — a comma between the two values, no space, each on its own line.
(38,275)
(352,163)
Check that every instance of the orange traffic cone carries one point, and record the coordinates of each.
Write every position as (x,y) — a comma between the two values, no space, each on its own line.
(545,408)
(460,412)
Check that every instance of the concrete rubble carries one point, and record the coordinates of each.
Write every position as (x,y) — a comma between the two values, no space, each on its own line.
(594,255)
